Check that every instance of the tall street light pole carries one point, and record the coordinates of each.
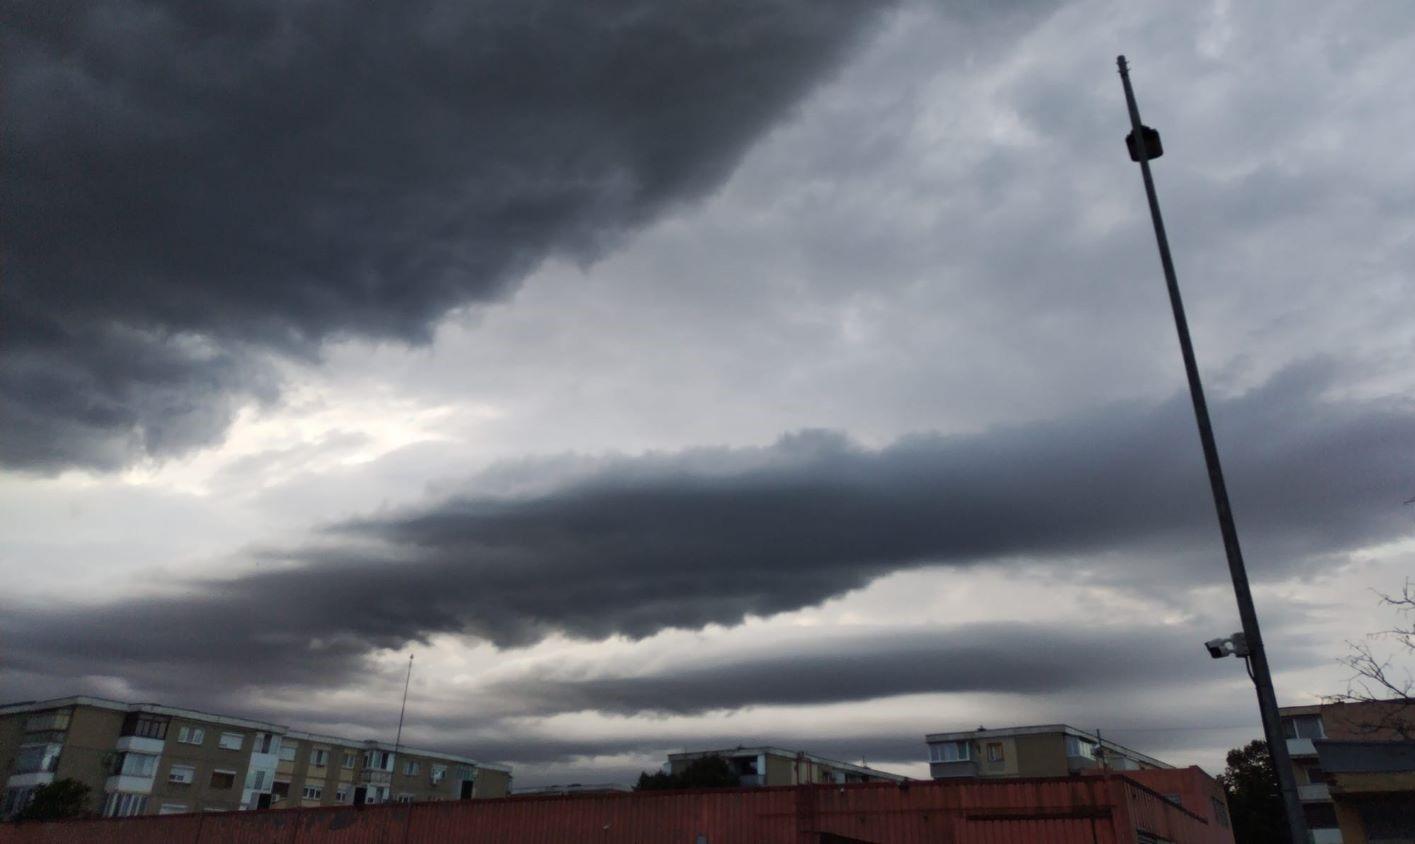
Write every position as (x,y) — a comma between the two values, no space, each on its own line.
(1144,144)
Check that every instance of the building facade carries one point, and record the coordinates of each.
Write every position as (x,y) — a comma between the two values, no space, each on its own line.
(770,766)
(148,759)
(1329,743)
(1052,750)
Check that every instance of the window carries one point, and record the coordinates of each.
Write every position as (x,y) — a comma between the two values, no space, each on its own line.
(1220,811)
(255,780)
(231,741)
(1303,727)
(223,779)
(380,760)
(265,743)
(412,768)
(439,773)
(1316,776)
(405,798)
(143,725)
(288,750)
(137,764)
(342,794)
(191,735)
(1077,746)
(121,804)
(313,792)
(950,751)
(57,719)
(280,789)
(172,809)
(37,758)
(350,758)
(182,774)
(319,758)
(994,751)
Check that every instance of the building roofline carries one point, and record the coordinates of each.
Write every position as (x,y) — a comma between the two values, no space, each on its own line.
(228,720)
(1044,729)
(769,750)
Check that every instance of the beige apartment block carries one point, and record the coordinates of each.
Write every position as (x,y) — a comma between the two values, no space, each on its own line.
(149,759)
(1051,750)
(767,766)
(1354,768)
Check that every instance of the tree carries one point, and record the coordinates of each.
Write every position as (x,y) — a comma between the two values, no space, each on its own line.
(1377,679)
(707,772)
(1254,796)
(66,798)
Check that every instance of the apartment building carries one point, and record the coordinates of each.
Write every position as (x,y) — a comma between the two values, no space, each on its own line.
(1355,770)
(150,759)
(1051,750)
(768,766)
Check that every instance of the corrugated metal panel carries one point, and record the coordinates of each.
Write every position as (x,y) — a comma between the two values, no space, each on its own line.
(1079,810)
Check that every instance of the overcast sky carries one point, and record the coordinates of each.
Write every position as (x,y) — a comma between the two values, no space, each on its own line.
(675,375)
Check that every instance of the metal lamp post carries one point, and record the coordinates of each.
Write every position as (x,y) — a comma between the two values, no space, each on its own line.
(1144,144)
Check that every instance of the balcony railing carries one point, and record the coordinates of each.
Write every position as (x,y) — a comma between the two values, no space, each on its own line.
(1301,747)
(373,776)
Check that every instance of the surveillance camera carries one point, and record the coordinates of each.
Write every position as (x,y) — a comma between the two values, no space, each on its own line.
(1219,648)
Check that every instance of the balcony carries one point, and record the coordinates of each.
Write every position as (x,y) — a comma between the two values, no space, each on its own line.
(1301,747)
(1319,791)
(373,776)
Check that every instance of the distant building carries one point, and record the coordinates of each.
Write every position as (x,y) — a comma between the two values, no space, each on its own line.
(764,766)
(148,759)
(1051,750)
(572,788)
(1347,759)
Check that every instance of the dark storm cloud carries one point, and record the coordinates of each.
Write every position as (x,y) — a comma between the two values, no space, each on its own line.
(191,185)
(711,536)
(855,664)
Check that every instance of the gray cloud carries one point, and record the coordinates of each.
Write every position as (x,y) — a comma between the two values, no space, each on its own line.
(197,185)
(857,664)
(641,544)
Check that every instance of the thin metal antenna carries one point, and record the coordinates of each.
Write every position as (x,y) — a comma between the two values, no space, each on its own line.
(398,742)
(1141,140)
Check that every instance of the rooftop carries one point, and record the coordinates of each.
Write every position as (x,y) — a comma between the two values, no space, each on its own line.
(1044,729)
(790,754)
(212,718)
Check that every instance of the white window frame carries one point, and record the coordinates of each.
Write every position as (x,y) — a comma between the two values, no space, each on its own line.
(438,773)
(319,758)
(176,772)
(412,768)
(289,751)
(341,794)
(231,741)
(124,804)
(312,792)
(350,760)
(191,735)
(146,764)
(951,751)
(173,809)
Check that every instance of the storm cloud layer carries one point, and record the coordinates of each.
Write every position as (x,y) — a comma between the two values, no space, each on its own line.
(633,546)
(195,185)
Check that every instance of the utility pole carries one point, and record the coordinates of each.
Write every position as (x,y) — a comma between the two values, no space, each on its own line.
(1144,145)
(398,742)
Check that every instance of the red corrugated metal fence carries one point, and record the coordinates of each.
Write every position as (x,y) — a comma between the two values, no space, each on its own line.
(1084,810)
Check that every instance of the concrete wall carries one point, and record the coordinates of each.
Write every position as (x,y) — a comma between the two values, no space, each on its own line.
(206,757)
(492,783)
(1042,755)
(88,749)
